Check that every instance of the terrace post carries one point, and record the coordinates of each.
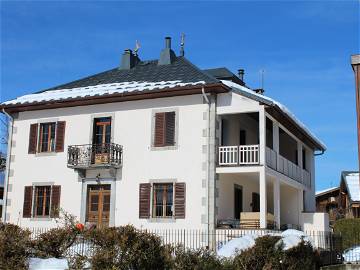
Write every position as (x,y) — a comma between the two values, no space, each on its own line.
(262,174)
(277,203)
(263,199)
(300,160)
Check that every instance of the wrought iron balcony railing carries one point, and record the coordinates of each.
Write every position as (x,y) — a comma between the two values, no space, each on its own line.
(94,155)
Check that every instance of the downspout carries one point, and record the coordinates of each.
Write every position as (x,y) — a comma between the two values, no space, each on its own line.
(208,164)
(319,154)
(7,169)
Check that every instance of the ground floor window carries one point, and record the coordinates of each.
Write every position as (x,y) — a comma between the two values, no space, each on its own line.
(42,197)
(163,200)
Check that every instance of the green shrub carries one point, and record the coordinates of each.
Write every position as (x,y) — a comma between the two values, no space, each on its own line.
(264,255)
(14,247)
(127,248)
(267,255)
(349,229)
(300,257)
(200,259)
(54,243)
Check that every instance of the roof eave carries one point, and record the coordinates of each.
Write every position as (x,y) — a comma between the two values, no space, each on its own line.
(118,97)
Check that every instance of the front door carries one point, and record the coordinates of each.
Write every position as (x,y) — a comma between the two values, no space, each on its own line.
(237,201)
(98,205)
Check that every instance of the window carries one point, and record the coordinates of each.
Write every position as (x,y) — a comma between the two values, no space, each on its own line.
(102,130)
(42,197)
(163,200)
(164,134)
(47,137)
(41,201)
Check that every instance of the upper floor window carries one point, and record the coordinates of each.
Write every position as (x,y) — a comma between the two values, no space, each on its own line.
(102,130)
(46,137)
(164,133)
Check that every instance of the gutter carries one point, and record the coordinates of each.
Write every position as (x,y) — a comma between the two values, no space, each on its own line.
(7,169)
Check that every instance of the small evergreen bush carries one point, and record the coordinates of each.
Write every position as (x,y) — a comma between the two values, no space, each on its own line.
(349,229)
(14,247)
(127,248)
(201,259)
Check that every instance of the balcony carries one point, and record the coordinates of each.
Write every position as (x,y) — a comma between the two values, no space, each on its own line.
(87,156)
(286,167)
(239,155)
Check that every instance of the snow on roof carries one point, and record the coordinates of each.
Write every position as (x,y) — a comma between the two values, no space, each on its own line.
(325,190)
(98,90)
(352,183)
(273,102)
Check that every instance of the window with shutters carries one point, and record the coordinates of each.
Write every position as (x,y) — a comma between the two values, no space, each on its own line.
(41,201)
(164,133)
(163,200)
(42,198)
(46,137)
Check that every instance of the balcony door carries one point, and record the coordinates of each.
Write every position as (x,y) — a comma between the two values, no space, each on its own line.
(98,205)
(101,140)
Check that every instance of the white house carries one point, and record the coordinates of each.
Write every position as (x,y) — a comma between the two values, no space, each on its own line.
(159,144)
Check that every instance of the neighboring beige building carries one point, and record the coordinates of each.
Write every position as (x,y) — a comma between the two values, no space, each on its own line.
(159,144)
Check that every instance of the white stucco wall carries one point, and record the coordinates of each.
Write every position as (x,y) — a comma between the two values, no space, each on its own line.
(132,129)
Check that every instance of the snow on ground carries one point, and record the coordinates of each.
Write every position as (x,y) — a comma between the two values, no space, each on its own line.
(289,239)
(48,264)
(352,254)
(237,245)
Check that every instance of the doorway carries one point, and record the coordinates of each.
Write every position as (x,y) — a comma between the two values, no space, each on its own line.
(101,140)
(238,204)
(255,202)
(98,205)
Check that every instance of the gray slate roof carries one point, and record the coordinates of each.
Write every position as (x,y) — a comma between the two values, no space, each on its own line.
(181,69)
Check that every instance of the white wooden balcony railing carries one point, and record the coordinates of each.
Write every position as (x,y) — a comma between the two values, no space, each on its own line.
(271,158)
(289,169)
(239,155)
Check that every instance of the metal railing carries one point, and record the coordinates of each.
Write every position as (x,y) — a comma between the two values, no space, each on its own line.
(94,155)
(239,155)
(332,247)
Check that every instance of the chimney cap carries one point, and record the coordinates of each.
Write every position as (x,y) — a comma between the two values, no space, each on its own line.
(241,73)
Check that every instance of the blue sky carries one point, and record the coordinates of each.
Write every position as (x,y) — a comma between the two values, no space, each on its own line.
(304,48)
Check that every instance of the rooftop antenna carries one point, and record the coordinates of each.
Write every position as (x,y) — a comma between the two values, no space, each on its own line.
(182,44)
(262,75)
(137,47)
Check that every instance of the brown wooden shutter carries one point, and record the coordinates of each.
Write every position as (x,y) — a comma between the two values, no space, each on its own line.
(28,194)
(55,201)
(170,128)
(159,138)
(180,200)
(33,138)
(144,200)
(60,136)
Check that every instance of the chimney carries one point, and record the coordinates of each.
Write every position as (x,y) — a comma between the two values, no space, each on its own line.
(241,73)
(167,55)
(129,60)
